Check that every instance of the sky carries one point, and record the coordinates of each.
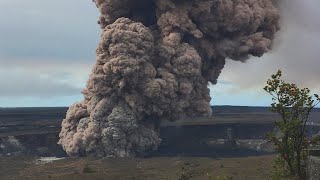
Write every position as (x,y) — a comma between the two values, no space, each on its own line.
(47,49)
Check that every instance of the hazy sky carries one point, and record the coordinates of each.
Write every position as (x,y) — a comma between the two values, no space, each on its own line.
(47,49)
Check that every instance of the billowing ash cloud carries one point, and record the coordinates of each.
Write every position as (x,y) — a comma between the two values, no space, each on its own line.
(154,62)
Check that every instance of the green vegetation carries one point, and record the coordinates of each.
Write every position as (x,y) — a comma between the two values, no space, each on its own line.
(294,106)
(221,177)
(184,174)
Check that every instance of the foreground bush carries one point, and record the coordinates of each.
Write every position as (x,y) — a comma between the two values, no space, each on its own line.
(294,105)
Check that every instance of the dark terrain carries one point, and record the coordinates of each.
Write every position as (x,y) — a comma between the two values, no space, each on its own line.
(232,142)
(34,131)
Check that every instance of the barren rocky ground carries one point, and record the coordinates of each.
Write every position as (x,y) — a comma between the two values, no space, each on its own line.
(242,168)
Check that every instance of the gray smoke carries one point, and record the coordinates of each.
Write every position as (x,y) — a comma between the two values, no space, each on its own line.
(154,62)
(295,52)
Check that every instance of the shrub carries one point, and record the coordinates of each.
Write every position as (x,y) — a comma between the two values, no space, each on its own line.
(294,105)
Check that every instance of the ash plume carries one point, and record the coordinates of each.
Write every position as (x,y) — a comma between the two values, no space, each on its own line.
(154,62)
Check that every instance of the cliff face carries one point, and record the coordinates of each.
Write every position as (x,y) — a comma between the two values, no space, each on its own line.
(34,131)
(207,140)
(313,167)
(31,144)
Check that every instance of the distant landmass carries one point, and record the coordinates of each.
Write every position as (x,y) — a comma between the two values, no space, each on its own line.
(25,120)
(36,129)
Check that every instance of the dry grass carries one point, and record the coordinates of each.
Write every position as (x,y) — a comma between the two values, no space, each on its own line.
(256,167)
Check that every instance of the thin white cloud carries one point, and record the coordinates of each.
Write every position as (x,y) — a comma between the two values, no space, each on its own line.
(47,49)
(42,78)
(48,29)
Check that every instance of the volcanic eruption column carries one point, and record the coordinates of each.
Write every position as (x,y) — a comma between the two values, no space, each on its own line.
(154,62)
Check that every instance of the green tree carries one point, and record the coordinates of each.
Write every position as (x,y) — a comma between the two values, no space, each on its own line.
(294,105)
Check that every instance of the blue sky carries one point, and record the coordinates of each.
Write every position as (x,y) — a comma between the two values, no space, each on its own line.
(47,49)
